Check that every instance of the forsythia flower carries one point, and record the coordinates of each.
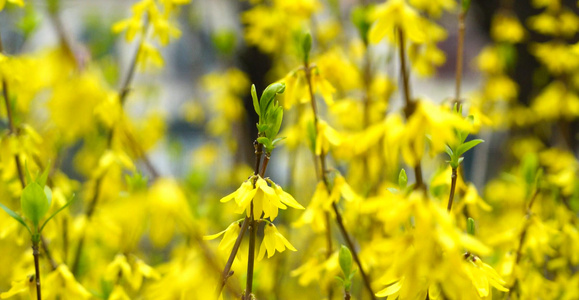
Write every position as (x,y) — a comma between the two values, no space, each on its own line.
(394,14)
(231,233)
(483,275)
(17,2)
(297,87)
(326,136)
(507,28)
(266,200)
(273,241)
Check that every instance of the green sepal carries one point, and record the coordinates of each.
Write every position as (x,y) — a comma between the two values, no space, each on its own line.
(15,216)
(56,212)
(34,203)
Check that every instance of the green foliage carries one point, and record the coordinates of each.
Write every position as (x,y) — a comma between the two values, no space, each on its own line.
(270,115)
(346,263)
(455,153)
(35,201)
(402,179)
(306,46)
(360,18)
(470,228)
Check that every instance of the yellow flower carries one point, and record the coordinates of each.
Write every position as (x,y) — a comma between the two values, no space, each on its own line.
(17,2)
(556,101)
(149,54)
(21,286)
(490,60)
(562,23)
(62,284)
(483,276)
(133,274)
(273,241)
(266,200)
(326,136)
(433,7)
(436,123)
(556,56)
(231,233)
(132,25)
(507,28)
(394,14)
(169,211)
(501,88)
(297,90)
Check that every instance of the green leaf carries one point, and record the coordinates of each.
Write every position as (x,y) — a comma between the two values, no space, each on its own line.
(460,150)
(255,101)
(16,216)
(402,179)
(470,226)
(306,46)
(41,180)
(465,6)
(529,167)
(345,259)
(360,20)
(279,139)
(27,173)
(448,150)
(56,212)
(264,141)
(269,95)
(34,203)
(276,123)
(48,194)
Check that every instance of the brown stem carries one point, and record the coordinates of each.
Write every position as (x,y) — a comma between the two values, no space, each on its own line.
(347,295)
(11,130)
(323,178)
(350,244)
(11,127)
(320,170)
(35,253)
(452,188)
(329,249)
(522,238)
(227,270)
(250,255)
(410,106)
(459,56)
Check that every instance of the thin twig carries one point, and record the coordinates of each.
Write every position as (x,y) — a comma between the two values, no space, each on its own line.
(522,238)
(322,158)
(227,270)
(410,106)
(452,188)
(19,169)
(459,56)
(35,253)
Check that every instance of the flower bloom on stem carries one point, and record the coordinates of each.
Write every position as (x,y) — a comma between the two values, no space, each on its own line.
(266,199)
(231,233)
(273,240)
